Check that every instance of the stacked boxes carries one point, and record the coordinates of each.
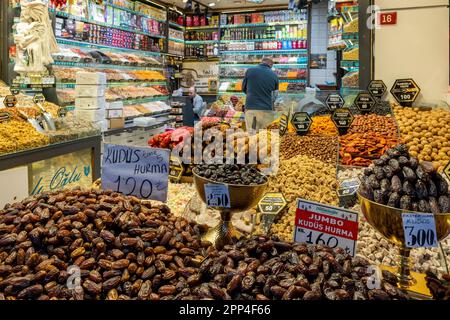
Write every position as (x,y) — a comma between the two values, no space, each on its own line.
(90,102)
(114,115)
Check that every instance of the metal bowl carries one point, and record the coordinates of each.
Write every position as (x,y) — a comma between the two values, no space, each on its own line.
(242,197)
(388,220)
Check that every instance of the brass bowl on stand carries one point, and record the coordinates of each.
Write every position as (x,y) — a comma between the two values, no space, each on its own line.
(388,221)
(242,198)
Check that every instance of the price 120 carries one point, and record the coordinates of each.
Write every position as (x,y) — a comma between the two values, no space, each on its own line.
(145,186)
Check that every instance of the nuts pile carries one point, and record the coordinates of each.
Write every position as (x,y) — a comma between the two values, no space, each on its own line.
(231,173)
(19,135)
(124,248)
(400,181)
(426,132)
(322,126)
(179,195)
(359,149)
(384,125)
(321,148)
(264,268)
(347,173)
(306,178)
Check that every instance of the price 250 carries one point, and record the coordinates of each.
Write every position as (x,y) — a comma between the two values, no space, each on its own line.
(129,186)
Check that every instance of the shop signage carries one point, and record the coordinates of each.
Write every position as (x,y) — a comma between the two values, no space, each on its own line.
(387,18)
(271,204)
(405,91)
(447,170)
(39,98)
(217,195)
(364,102)
(66,171)
(334,101)
(176,169)
(301,122)
(377,88)
(316,223)
(10,101)
(284,123)
(142,172)
(420,230)
(342,119)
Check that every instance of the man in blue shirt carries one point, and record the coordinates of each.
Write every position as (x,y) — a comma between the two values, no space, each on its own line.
(197,103)
(259,83)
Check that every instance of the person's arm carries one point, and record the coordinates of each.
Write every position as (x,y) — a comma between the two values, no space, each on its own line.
(198,105)
(244,83)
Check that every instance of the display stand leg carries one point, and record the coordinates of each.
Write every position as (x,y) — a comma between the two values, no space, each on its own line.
(404,269)
(224,232)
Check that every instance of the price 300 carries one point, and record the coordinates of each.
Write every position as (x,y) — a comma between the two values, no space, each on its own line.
(420,237)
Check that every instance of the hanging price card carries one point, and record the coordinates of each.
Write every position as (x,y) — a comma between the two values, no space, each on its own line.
(301,121)
(420,230)
(142,172)
(217,195)
(10,101)
(342,119)
(284,122)
(176,169)
(405,91)
(39,98)
(364,102)
(316,223)
(377,88)
(334,101)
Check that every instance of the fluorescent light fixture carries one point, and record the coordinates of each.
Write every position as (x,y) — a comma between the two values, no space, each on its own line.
(211,4)
(256,1)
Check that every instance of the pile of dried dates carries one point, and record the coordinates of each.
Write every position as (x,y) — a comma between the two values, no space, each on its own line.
(440,288)
(264,268)
(122,248)
(231,173)
(400,181)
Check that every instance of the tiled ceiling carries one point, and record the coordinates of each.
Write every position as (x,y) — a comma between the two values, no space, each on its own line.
(232,4)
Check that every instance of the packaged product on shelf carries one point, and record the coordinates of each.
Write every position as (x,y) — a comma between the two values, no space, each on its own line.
(351,80)
(351,54)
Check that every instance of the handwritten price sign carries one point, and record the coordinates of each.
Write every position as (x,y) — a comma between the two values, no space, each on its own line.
(420,230)
(217,195)
(141,172)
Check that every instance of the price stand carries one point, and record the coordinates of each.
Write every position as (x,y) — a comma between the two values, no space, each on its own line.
(334,101)
(301,122)
(405,91)
(270,205)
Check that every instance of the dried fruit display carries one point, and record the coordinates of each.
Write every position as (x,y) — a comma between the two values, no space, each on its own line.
(263,268)
(125,249)
(68,74)
(20,135)
(383,125)
(231,173)
(359,149)
(321,148)
(440,288)
(323,126)
(400,181)
(426,132)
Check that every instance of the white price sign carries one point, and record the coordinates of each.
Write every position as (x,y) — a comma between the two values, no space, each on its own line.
(420,230)
(316,223)
(217,195)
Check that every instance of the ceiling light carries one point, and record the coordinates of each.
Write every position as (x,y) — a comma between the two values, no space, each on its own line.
(212,4)
(184,1)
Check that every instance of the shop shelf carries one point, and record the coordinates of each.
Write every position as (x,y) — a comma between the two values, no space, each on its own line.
(102,66)
(271,52)
(144,100)
(201,28)
(277,66)
(82,19)
(131,128)
(62,85)
(177,40)
(236,93)
(71,42)
(136,12)
(201,41)
(281,80)
(350,36)
(154,115)
(283,23)
(176,25)
(261,40)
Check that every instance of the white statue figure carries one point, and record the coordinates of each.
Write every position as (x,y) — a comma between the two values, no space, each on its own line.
(35,40)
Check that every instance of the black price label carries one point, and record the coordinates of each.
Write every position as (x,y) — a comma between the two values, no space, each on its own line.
(176,169)
(447,170)
(405,91)
(10,101)
(364,102)
(377,88)
(62,112)
(334,101)
(4,116)
(342,119)
(272,203)
(301,122)
(39,98)
(15,89)
(284,122)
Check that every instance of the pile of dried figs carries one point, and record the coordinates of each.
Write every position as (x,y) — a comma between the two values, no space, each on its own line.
(400,181)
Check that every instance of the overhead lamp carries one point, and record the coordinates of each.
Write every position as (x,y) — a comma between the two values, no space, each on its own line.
(212,4)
